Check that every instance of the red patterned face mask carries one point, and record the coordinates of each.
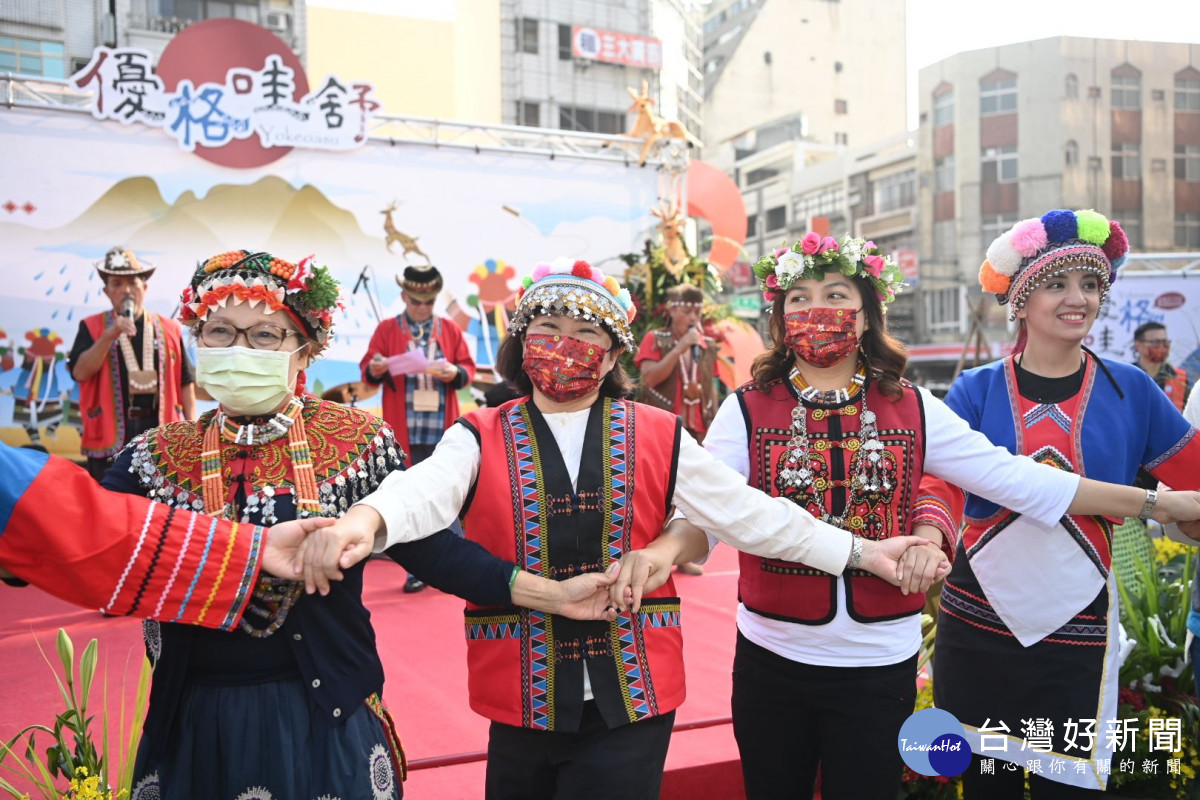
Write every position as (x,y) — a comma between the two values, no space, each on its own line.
(1157,353)
(821,336)
(561,367)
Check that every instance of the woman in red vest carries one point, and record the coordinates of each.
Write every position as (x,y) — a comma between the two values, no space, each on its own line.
(566,480)
(825,667)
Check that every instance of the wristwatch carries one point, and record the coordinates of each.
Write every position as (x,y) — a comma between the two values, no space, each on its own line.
(1148,506)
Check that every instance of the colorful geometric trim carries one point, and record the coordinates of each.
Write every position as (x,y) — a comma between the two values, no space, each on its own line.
(659,615)
(494,626)
(1171,451)
(932,510)
(246,584)
(1049,411)
(212,529)
(395,748)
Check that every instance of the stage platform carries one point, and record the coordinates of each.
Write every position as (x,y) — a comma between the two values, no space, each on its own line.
(424,656)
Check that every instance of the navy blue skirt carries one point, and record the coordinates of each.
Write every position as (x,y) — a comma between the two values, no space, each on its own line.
(270,741)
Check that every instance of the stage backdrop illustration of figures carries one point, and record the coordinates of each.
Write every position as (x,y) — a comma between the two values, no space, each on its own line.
(81,183)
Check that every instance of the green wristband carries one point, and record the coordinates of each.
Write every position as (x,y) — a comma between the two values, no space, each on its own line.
(512,579)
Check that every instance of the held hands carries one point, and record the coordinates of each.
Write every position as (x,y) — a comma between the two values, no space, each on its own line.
(284,541)
(1181,507)
(894,560)
(641,571)
(337,545)
(587,596)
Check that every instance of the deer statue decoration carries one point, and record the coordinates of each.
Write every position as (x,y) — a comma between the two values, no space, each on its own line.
(647,123)
(409,243)
(675,254)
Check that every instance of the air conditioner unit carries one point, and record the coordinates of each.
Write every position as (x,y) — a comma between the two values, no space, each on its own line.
(278,21)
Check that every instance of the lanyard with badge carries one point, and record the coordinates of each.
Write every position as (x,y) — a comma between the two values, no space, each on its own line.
(425,397)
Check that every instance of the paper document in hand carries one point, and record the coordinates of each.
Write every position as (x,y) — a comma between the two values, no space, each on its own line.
(411,363)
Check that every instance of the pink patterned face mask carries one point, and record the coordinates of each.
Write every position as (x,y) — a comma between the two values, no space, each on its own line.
(821,336)
(561,367)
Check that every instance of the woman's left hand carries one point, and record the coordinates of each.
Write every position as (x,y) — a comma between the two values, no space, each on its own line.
(586,596)
(920,566)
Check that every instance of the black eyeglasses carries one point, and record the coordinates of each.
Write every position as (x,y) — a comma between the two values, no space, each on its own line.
(1155,342)
(412,301)
(263,336)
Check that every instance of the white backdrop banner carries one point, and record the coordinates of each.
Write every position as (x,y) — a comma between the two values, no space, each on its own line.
(1172,298)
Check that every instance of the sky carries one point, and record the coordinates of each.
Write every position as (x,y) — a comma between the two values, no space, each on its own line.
(941,28)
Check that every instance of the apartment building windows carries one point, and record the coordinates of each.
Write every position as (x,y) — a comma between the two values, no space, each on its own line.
(1126,89)
(896,191)
(1127,161)
(998,95)
(1071,153)
(943,309)
(1187,162)
(529,113)
(527,35)
(943,109)
(999,164)
(1187,91)
(943,174)
(1187,231)
(31,57)
(945,241)
(589,119)
(776,218)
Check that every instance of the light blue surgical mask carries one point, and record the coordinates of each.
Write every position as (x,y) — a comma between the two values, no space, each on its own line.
(246,382)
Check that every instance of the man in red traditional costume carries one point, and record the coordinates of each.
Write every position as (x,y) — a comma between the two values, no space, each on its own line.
(130,364)
(419,404)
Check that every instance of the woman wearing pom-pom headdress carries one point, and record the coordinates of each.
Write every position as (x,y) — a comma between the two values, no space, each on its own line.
(1028,622)
(830,424)
(569,478)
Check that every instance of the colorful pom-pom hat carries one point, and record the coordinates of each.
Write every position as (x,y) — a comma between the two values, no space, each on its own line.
(1035,250)
(576,289)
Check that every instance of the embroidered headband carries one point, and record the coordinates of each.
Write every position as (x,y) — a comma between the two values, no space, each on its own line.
(814,256)
(308,295)
(423,283)
(576,289)
(1034,250)
(685,296)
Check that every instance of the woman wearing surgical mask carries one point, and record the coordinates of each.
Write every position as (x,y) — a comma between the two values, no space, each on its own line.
(567,479)
(825,667)
(287,703)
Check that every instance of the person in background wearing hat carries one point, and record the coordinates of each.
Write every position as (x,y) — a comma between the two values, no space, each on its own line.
(287,702)
(130,364)
(1028,622)
(677,365)
(563,481)
(419,407)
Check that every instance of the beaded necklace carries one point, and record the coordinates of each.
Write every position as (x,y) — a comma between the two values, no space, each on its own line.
(142,377)
(795,470)
(289,421)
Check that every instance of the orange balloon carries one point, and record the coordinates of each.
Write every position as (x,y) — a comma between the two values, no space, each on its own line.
(713,196)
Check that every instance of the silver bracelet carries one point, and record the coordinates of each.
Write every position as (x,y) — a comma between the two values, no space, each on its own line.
(856,551)
(1148,506)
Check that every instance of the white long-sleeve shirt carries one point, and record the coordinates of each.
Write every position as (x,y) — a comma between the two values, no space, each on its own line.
(428,496)
(953,452)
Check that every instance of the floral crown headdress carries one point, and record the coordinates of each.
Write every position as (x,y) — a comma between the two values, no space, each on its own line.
(576,289)
(814,256)
(1031,252)
(308,294)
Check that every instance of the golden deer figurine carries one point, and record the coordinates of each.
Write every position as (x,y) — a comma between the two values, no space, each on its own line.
(409,243)
(653,127)
(675,255)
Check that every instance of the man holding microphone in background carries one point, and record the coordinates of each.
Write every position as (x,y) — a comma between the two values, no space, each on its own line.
(130,364)
(677,364)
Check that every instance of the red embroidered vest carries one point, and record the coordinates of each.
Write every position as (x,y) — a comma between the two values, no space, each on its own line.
(100,398)
(525,667)
(797,593)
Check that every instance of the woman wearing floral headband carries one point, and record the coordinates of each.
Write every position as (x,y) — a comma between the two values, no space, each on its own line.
(823,663)
(1027,629)
(568,479)
(287,703)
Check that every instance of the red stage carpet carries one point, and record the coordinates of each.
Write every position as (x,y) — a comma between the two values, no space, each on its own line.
(424,657)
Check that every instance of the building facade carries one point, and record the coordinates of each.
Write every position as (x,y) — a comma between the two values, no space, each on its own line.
(54,40)
(568,64)
(1010,132)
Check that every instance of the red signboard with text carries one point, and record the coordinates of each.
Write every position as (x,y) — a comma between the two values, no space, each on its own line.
(616,48)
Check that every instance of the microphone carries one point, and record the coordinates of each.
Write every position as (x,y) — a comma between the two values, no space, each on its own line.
(696,350)
(127,308)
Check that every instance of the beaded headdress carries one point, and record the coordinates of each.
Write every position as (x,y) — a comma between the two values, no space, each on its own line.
(1034,250)
(423,283)
(814,256)
(307,294)
(576,289)
(685,296)
(122,261)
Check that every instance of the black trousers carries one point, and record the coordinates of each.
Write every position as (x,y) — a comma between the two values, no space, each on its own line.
(596,762)
(1009,784)
(791,718)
